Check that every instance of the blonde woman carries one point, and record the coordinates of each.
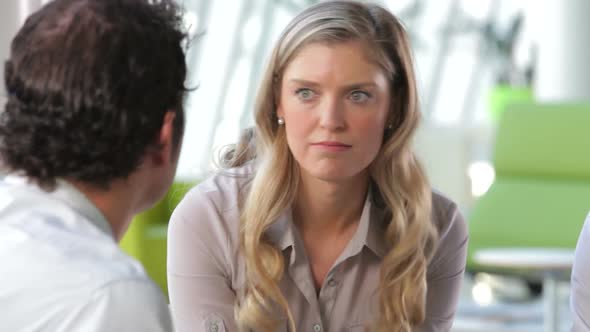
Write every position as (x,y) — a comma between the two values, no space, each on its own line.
(323,219)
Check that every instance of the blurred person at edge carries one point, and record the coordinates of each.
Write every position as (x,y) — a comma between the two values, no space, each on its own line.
(322,218)
(580,281)
(90,136)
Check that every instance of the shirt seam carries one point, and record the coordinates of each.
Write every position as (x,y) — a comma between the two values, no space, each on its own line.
(225,245)
(450,213)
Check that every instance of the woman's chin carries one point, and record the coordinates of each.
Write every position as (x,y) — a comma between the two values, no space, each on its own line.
(335,174)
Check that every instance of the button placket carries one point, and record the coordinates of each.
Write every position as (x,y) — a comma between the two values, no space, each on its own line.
(214,323)
(327,299)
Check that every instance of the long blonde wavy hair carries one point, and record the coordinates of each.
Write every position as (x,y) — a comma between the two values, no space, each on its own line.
(396,175)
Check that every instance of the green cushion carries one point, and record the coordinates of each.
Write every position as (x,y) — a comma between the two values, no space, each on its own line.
(541,194)
(154,258)
(503,96)
(550,141)
(528,212)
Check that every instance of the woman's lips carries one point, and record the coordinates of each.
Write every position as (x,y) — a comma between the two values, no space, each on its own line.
(332,146)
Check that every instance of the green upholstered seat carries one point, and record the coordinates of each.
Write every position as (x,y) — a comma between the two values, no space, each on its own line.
(541,193)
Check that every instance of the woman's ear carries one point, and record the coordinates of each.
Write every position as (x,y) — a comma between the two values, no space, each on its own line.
(280,112)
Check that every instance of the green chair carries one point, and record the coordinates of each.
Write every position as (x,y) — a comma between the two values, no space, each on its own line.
(541,193)
(146,237)
(503,95)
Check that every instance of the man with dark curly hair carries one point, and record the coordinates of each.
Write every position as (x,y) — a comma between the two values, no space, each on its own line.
(90,136)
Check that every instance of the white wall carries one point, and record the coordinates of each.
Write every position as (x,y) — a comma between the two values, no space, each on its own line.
(562,33)
(12,14)
(9,21)
(444,155)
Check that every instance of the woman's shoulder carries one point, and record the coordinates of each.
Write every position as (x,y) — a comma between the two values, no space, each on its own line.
(204,226)
(451,250)
(221,191)
(209,214)
(212,206)
(448,218)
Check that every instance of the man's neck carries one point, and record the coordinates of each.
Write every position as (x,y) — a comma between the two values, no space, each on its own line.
(116,203)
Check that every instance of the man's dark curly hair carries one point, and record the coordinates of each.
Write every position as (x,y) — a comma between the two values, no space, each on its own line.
(88,85)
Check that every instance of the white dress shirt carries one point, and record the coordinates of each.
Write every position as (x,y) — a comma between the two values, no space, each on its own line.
(580,291)
(61,269)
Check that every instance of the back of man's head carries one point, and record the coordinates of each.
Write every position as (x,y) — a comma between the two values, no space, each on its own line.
(88,85)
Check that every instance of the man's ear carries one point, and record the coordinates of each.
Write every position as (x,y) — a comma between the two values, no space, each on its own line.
(162,155)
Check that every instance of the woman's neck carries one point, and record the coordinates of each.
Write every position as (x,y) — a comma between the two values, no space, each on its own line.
(325,206)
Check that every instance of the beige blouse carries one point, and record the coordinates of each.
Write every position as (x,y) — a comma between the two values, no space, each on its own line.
(206,273)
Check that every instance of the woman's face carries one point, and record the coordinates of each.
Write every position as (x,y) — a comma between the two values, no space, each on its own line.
(335,104)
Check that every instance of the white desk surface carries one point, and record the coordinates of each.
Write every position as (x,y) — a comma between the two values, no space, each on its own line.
(527,258)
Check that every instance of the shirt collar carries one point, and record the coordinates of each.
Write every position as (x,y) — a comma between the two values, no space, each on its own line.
(370,231)
(72,197)
(375,236)
(281,232)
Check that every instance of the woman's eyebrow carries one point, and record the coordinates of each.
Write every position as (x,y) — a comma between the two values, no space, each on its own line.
(350,86)
(303,82)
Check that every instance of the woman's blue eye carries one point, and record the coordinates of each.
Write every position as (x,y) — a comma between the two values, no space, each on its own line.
(305,94)
(359,96)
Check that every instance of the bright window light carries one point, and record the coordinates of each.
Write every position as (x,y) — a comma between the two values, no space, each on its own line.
(482,293)
(482,176)
(190,20)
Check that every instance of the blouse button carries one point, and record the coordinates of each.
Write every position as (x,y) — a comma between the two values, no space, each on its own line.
(332,283)
(214,323)
(317,328)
